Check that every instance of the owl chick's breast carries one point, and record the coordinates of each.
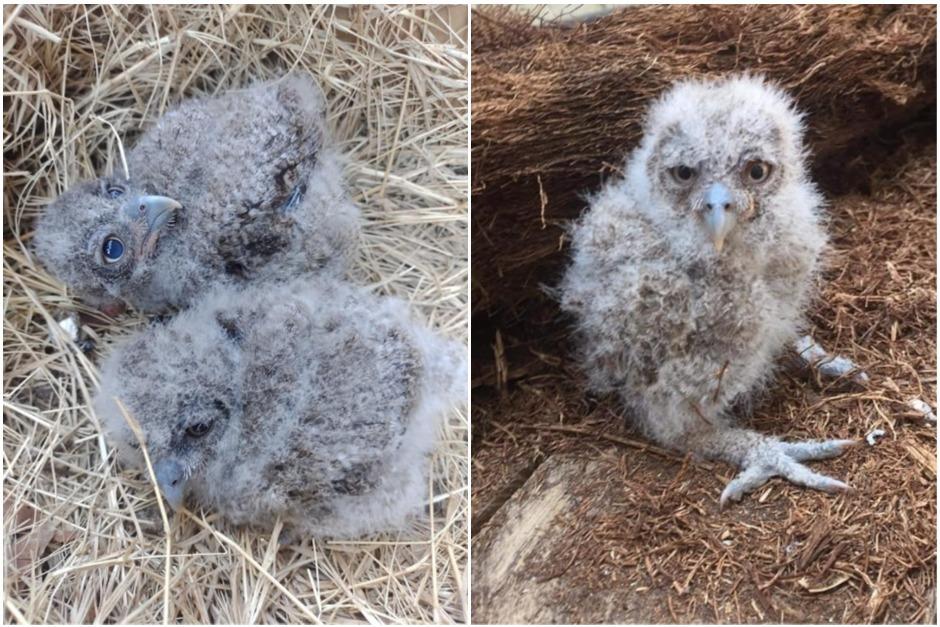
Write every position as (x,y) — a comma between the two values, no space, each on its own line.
(645,303)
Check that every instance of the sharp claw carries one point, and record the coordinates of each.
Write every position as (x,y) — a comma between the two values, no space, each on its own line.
(728,494)
(830,485)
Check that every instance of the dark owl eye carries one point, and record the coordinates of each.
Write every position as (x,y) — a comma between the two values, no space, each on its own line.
(198,429)
(112,249)
(682,173)
(220,406)
(757,171)
(115,191)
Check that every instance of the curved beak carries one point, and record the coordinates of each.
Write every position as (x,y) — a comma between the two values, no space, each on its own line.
(156,211)
(719,216)
(170,478)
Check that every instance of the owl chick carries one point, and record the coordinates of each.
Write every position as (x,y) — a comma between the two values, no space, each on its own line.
(692,273)
(316,402)
(243,186)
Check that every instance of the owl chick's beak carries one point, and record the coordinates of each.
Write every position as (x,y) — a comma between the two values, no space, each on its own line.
(719,216)
(171,479)
(152,214)
(156,211)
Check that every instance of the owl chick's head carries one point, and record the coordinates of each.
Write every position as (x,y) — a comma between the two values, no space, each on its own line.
(720,151)
(178,382)
(99,236)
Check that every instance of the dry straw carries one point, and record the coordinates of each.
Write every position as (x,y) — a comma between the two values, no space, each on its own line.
(83,539)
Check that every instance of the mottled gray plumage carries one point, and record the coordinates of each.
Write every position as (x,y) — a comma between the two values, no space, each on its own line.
(314,401)
(691,274)
(243,186)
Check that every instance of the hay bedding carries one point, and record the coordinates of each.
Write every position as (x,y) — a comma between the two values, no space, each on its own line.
(83,541)
(648,524)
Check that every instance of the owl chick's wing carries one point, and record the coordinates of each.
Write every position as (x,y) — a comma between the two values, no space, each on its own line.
(239,163)
(389,381)
(338,389)
(245,148)
(626,290)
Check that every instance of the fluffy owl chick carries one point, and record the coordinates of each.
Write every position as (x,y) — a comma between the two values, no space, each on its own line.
(316,402)
(691,274)
(243,186)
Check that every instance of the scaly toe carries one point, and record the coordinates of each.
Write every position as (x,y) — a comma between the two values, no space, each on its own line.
(783,459)
(811,451)
(801,475)
(747,480)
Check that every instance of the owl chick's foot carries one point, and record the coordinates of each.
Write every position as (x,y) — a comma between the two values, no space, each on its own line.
(814,358)
(773,458)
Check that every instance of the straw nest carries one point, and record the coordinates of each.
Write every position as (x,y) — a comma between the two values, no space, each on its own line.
(556,108)
(82,538)
(644,540)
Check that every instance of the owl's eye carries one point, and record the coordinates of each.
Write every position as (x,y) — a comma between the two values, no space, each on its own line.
(115,191)
(221,407)
(112,249)
(757,171)
(198,429)
(682,173)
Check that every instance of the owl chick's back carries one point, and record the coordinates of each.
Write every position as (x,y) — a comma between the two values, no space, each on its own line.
(259,172)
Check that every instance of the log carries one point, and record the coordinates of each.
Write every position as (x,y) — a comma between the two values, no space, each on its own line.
(527,566)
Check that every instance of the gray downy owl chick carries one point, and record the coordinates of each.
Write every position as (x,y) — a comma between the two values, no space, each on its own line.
(691,274)
(316,402)
(243,186)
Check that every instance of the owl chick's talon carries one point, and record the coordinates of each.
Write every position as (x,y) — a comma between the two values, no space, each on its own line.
(782,459)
